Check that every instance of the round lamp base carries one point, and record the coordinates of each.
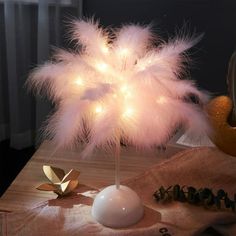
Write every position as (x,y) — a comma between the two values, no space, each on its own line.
(117,208)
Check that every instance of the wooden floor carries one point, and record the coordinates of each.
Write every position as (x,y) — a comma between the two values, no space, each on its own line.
(12,161)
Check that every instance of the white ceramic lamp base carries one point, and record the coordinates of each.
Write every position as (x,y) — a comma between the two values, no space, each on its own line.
(117,208)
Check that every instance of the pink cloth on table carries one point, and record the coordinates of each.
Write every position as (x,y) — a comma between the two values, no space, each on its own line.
(198,167)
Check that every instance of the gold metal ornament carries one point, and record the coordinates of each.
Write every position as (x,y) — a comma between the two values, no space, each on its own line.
(61,183)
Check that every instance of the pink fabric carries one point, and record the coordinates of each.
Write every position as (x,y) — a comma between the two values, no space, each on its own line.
(198,167)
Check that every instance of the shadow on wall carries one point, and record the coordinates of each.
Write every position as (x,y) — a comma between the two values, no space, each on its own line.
(216,19)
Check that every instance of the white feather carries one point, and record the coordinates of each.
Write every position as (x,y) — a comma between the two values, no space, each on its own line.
(135,38)
(97,93)
(131,42)
(42,79)
(88,34)
(130,91)
(65,127)
(62,55)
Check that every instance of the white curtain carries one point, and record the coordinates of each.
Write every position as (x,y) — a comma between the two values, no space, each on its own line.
(28,29)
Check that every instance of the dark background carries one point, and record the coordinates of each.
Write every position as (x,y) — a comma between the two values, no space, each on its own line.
(215,18)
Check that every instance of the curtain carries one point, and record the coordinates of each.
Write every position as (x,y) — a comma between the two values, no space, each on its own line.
(28,29)
(231,81)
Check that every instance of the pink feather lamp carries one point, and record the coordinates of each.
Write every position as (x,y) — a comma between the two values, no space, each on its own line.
(118,86)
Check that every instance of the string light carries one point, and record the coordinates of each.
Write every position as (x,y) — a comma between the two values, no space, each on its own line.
(123,51)
(98,109)
(110,82)
(79,81)
(144,65)
(105,49)
(125,91)
(128,112)
(124,88)
(102,66)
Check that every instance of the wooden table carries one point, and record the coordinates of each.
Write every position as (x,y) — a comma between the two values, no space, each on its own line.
(96,171)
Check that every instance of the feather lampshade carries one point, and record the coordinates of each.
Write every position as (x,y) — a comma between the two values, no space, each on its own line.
(118,85)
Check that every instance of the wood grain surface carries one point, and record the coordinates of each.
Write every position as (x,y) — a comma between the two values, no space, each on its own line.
(96,171)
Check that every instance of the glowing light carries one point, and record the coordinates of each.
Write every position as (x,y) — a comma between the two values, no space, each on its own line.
(123,51)
(143,66)
(105,49)
(125,91)
(109,86)
(161,100)
(128,112)
(121,78)
(102,66)
(98,109)
(79,81)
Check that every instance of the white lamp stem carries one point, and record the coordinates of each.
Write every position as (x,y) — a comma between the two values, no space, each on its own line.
(117,165)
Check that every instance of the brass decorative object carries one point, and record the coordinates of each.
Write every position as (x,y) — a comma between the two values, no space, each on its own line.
(61,183)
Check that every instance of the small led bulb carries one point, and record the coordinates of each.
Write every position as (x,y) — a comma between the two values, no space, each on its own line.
(98,109)
(79,81)
(102,66)
(128,112)
(105,49)
(124,89)
(123,51)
